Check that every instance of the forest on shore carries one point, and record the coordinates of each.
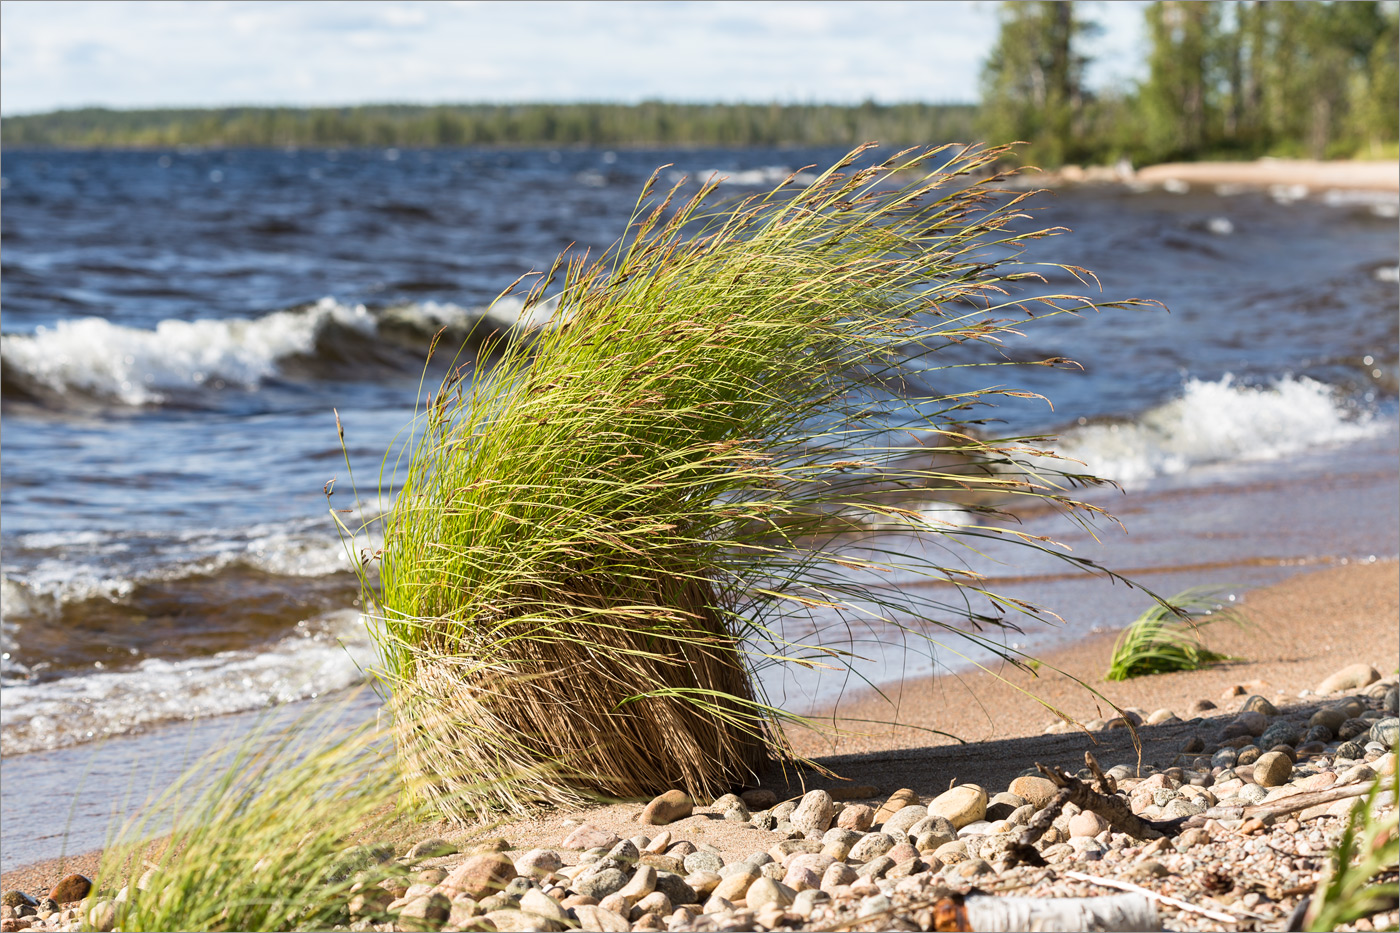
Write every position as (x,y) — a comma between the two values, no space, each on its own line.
(1223,80)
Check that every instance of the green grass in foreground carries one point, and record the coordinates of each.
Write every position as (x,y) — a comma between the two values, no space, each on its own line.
(259,835)
(1369,848)
(609,526)
(1167,637)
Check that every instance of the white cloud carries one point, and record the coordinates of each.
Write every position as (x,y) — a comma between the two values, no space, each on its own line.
(136,53)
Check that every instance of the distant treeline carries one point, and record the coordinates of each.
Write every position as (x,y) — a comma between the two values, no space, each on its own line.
(1224,80)
(585,124)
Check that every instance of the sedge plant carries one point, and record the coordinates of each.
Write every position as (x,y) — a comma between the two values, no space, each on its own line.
(1364,875)
(261,835)
(1167,636)
(604,529)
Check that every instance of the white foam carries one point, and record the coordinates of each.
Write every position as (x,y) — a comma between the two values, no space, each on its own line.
(1220,226)
(139,366)
(769,175)
(327,654)
(1215,422)
(145,367)
(110,565)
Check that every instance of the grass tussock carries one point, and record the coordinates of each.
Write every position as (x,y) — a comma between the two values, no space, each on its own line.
(605,530)
(1364,877)
(1167,637)
(259,836)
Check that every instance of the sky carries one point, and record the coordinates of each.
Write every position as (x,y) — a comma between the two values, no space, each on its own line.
(196,53)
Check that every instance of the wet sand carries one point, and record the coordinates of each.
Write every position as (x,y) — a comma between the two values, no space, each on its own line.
(1300,631)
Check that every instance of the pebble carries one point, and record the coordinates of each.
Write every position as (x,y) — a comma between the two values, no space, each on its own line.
(759,798)
(857,817)
(1352,677)
(667,808)
(966,803)
(1037,791)
(589,836)
(898,825)
(1386,732)
(904,797)
(70,888)
(814,813)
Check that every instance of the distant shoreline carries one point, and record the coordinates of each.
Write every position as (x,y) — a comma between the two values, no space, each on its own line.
(1350,174)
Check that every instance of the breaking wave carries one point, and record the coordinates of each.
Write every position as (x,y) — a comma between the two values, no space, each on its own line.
(1219,422)
(93,359)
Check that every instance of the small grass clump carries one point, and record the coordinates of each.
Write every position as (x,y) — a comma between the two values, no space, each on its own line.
(604,530)
(1167,637)
(261,836)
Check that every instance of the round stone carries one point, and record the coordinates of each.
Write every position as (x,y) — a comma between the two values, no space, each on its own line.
(1386,732)
(961,805)
(1258,704)
(667,808)
(898,825)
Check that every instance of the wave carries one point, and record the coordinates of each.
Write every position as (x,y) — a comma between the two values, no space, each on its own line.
(91,359)
(1220,422)
(79,708)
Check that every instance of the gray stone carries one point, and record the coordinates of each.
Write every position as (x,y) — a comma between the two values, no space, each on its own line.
(703,861)
(1224,758)
(599,884)
(677,889)
(814,813)
(875,904)
(1280,732)
(592,917)
(1257,704)
(765,891)
(1318,734)
(1351,750)
(538,862)
(897,826)
(1246,722)
(1004,804)
(872,845)
(875,868)
(1386,732)
(431,848)
(783,811)
(806,901)
(425,912)
(1353,728)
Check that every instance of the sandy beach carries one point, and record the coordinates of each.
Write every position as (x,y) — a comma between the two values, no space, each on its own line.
(1341,174)
(1298,633)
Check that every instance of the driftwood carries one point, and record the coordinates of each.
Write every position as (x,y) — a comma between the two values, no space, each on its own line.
(1176,902)
(1131,913)
(1126,912)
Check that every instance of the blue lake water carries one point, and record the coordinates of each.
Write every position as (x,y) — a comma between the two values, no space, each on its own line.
(178,328)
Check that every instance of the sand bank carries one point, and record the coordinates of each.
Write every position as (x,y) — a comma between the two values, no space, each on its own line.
(1367,175)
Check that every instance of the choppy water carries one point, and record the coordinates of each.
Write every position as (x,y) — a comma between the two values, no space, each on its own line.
(177,328)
